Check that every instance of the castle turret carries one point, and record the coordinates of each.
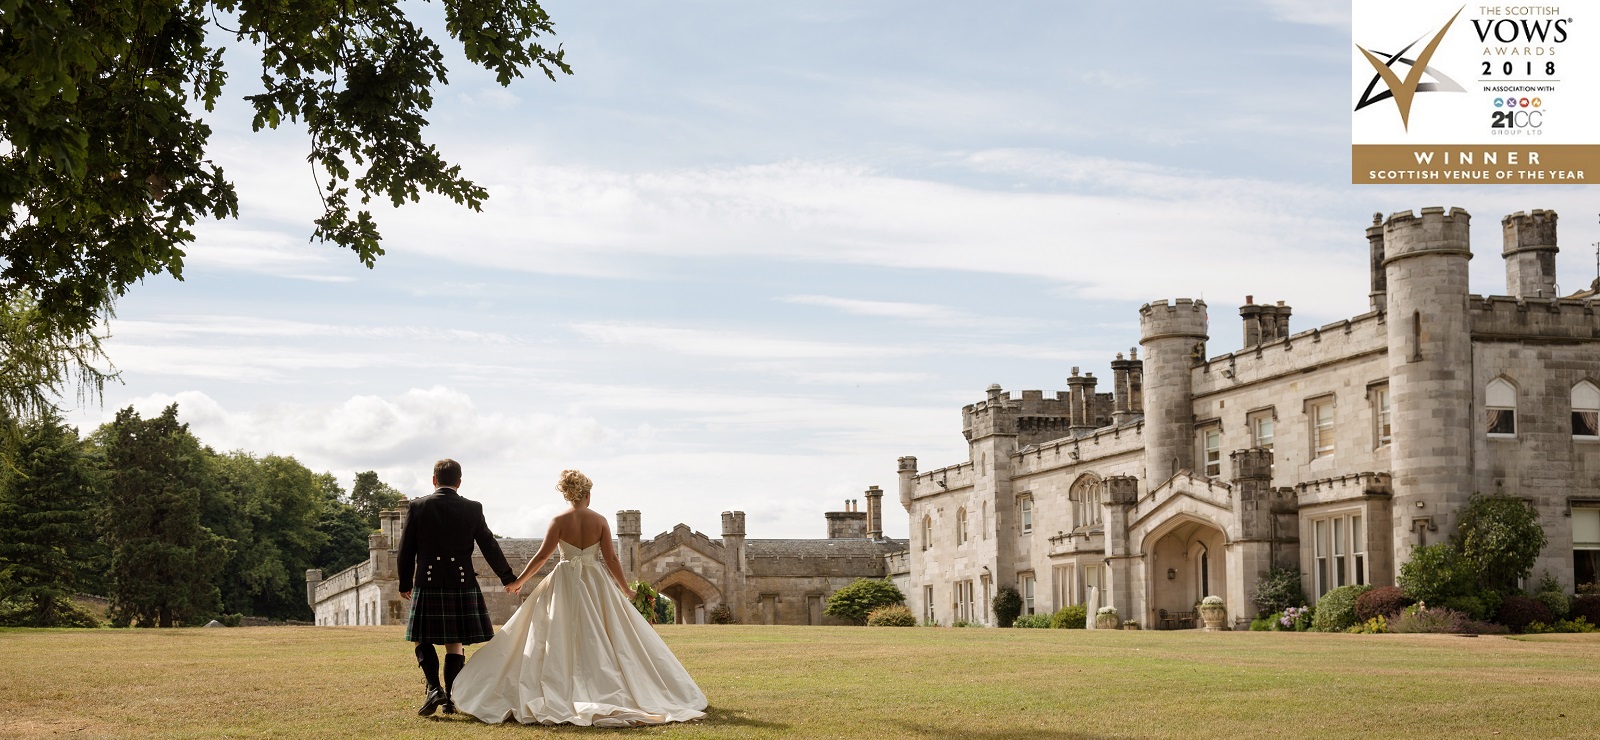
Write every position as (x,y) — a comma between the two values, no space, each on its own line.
(313,579)
(629,528)
(1173,336)
(908,475)
(1430,366)
(1530,253)
(733,565)
(874,512)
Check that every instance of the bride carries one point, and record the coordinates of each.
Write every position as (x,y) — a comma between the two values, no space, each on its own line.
(577,651)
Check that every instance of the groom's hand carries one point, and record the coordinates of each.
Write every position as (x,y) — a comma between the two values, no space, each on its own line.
(405,595)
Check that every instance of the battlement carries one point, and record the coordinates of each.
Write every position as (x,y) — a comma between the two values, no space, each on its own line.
(1529,231)
(1090,448)
(1306,350)
(628,523)
(1499,316)
(953,477)
(1344,487)
(1435,231)
(1183,317)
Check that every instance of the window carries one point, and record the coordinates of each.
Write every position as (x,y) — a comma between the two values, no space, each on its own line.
(927,531)
(1092,585)
(927,604)
(1321,417)
(963,601)
(1585,411)
(1585,545)
(1339,550)
(1085,498)
(1027,514)
(1500,402)
(1062,575)
(983,614)
(1025,585)
(1211,452)
(961,526)
(1261,431)
(1382,417)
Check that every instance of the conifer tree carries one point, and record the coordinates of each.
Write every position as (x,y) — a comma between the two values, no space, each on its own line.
(370,496)
(164,561)
(47,509)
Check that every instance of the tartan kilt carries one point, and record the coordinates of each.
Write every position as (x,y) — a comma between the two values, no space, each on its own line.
(445,615)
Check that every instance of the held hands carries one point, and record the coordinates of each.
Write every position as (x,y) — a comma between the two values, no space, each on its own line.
(515,587)
(405,595)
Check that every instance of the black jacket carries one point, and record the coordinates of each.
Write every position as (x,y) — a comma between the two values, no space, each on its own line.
(436,543)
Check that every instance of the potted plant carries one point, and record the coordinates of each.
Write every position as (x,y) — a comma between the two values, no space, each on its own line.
(1213,612)
(1130,625)
(1105,618)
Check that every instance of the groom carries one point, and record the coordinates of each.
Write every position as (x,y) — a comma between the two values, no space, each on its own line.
(436,561)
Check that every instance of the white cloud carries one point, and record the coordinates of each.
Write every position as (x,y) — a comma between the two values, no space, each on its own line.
(1334,15)
(714,343)
(921,312)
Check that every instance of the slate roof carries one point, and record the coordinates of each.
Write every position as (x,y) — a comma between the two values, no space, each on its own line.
(852,548)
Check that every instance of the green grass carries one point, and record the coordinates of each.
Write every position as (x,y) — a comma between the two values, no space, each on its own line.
(835,682)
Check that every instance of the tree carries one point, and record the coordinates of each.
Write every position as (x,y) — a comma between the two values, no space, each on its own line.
(344,530)
(370,496)
(103,154)
(854,601)
(164,561)
(47,516)
(275,505)
(1007,606)
(38,365)
(1499,540)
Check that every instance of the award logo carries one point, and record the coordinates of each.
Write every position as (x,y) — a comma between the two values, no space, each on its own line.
(1478,93)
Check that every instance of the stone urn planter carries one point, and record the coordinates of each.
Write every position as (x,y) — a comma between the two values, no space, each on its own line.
(1107,619)
(1130,625)
(1213,612)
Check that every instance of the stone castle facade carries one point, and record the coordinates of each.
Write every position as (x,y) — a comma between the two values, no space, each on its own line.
(1333,450)
(761,581)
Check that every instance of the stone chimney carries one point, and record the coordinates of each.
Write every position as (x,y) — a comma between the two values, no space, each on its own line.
(1081,400)
(848,524)
(874,513)
(1124,379)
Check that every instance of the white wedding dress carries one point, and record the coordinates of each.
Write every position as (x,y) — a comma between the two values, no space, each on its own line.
(577,652)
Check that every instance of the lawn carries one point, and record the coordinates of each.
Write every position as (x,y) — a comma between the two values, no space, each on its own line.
(835,682)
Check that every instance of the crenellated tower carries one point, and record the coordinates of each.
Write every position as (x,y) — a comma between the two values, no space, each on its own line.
(1530,253)
(628,531)
(1173,336)
(1430,366)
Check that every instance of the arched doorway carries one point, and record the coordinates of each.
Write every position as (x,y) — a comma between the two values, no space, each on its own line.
(1186,559)
(692,595)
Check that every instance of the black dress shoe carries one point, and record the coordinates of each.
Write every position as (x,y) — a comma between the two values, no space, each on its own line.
(436,699)
(449,705)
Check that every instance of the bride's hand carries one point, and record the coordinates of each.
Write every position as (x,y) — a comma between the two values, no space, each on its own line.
(514,587)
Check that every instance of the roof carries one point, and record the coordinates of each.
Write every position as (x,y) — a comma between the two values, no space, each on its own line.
(851,548)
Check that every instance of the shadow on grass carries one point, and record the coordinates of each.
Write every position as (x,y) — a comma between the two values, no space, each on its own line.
(715,716)
(967,732)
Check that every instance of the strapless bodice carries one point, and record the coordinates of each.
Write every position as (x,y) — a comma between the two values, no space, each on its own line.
(575,554)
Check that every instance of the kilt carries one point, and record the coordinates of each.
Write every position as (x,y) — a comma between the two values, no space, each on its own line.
(445,615)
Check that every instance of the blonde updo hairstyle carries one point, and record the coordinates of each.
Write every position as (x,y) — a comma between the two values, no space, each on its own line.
(574,486)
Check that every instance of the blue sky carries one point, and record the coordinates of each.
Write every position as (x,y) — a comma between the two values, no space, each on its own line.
(750,253)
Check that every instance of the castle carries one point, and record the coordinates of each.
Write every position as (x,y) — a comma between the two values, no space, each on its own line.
(761,581)
(1333,450)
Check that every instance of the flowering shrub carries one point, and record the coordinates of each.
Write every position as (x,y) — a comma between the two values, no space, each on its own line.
(1295,618)
(1573,625)
(1374,626)
(1032,621)
(1421,619)
(722,614)
(1278,590)
(1211,601)
(1336,610)
(1517,612)
(893,615)
(1070,617)
(1385,601)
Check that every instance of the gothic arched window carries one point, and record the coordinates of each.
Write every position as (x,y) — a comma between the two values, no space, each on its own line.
(1500,403)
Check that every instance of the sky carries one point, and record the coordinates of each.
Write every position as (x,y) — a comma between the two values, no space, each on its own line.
(748,254)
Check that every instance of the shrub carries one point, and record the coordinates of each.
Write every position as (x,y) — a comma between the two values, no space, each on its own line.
(1499,539)
(1007,606)
(1434,573)
(1033,621)
(232,620)
(1070,617)
(1336,610)
(1560,605)
(1587,607)
(61,613)
(1267,623)
(722,614)
(854,601)
(1422,619)
(1385,601)
(1374,626)
(893,615)
(1517,612)
(1476,627)
(1471,606)
(1278,590)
